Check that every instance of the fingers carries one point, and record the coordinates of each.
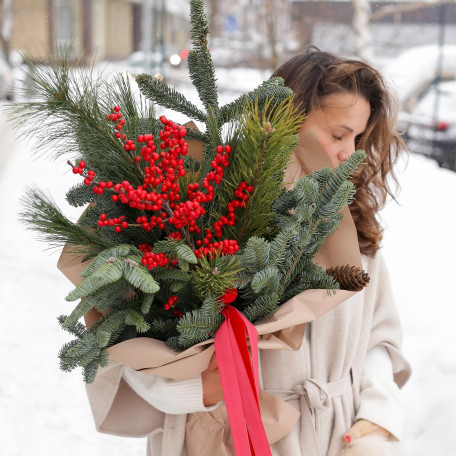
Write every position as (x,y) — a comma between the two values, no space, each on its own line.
(362,428)
(213,363)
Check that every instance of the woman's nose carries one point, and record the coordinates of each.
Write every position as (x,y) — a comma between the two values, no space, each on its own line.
(345,151)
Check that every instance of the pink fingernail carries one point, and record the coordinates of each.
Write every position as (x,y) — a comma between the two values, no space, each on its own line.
(347,438)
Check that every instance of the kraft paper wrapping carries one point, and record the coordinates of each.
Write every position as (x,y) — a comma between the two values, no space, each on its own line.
(283,329)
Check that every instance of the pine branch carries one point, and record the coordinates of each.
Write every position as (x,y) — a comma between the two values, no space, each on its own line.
(213,276)
(259,158)
(41,214)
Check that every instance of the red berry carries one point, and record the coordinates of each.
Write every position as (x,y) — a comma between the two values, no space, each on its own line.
(117,108)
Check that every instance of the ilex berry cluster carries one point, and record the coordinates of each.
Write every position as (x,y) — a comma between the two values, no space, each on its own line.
(160,163)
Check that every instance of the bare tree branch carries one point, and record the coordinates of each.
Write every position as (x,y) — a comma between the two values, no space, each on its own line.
(389,10)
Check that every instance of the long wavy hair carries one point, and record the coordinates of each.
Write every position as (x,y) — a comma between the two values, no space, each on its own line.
(315,75)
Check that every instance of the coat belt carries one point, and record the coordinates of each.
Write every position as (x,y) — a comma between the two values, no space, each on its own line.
(313,394)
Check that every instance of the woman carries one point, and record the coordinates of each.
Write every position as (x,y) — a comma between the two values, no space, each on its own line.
(345,377)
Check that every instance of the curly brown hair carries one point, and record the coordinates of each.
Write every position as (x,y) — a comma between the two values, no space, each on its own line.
(315,75)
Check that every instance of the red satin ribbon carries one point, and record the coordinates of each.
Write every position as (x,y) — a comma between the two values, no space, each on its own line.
(239,377)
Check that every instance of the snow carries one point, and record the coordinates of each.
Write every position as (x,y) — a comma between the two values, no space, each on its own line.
(44,411)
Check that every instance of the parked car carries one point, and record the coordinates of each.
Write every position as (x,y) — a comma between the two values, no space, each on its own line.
(154,61)
(432,124)
(425,80)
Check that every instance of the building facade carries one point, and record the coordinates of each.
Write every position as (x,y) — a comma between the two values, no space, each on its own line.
(109,29)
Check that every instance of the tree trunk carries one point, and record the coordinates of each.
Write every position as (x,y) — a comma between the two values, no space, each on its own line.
(6,28)
(361,26)
(213,17)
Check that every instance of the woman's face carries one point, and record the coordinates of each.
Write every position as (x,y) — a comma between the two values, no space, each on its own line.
(342,118)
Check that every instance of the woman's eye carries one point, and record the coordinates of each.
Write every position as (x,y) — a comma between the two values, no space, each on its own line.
(337,138)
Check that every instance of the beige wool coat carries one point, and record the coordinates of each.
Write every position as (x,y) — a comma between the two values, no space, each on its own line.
(323,382)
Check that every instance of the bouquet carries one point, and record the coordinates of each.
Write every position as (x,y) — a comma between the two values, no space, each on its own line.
(188,235)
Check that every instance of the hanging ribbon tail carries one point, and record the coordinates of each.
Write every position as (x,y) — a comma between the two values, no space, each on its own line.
(240,383)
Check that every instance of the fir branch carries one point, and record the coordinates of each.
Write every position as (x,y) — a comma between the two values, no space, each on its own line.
(118,251)
(202,75)
(261,307)
(345,193)
(341,174)
(256,254)
(163,329)
(157,91)
(79,311)
(285,202)
(106,274)
(136,319)
(79,195)
(278,249)
(139,276)
(267,279)
(146,303)
(77,329)
(199,24)
(272,89)
(199,325)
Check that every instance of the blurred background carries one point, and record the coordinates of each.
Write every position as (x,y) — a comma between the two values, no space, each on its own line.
(413,43)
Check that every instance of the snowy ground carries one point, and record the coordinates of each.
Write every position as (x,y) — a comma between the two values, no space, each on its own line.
(45,412)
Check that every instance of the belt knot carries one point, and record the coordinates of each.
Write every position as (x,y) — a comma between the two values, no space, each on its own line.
(315,393)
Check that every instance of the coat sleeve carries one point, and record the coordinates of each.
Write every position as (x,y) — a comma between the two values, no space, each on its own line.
(117,409)
(386,327)
(385,368)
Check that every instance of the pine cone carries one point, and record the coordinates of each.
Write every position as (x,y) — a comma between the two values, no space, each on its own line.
(350,278)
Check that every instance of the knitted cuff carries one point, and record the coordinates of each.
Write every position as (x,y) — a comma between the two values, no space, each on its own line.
(167,395)
(379,394)
(379,403)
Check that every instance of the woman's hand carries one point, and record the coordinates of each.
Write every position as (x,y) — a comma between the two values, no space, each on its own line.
(364,427)
(212,386)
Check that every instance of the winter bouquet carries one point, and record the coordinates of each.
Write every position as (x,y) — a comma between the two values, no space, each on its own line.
(188,235)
